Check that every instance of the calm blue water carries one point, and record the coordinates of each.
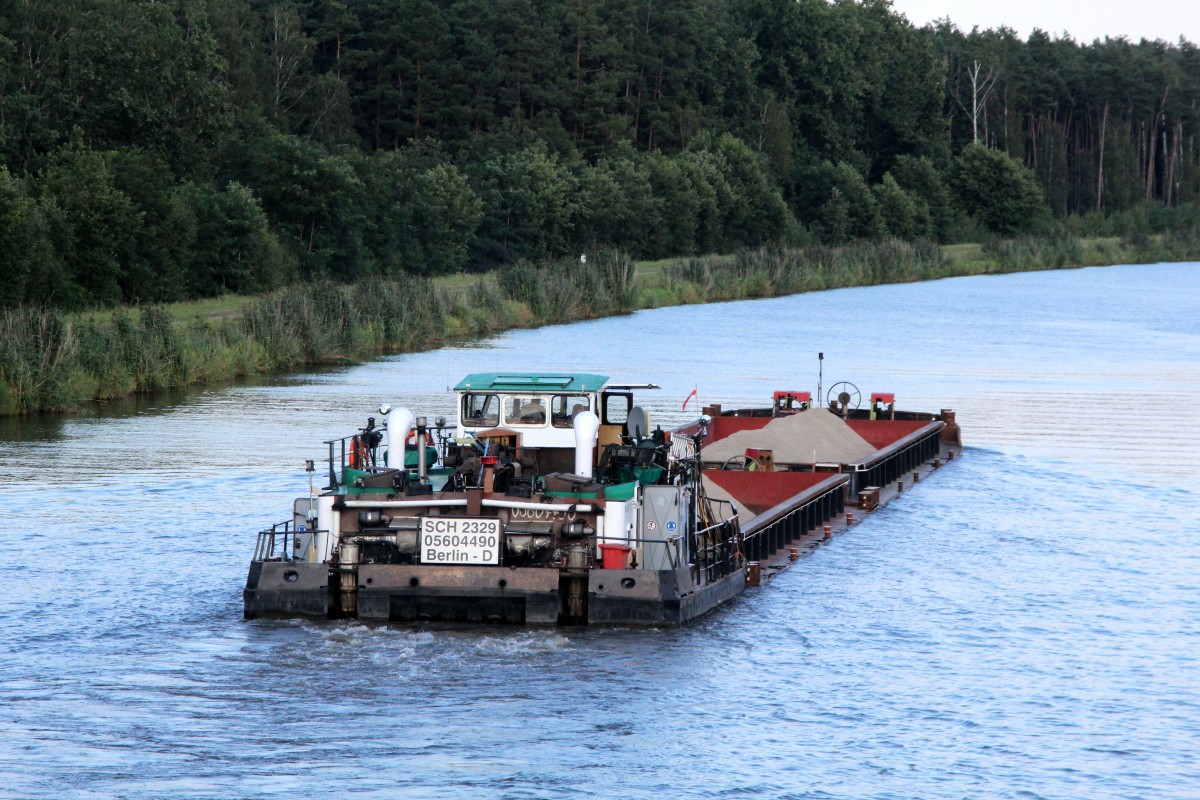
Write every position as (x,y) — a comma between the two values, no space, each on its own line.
(1026,624)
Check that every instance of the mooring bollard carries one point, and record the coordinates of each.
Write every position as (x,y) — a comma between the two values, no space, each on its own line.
(828,532)
(849,519)
(793,553)
(754,578)
(899,487)
(916,475)
(937,462)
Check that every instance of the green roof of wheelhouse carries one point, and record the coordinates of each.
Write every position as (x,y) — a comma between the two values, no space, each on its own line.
(532,382)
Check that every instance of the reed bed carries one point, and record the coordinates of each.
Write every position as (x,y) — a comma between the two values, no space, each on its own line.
(774,271)
(566,289)
(51,361)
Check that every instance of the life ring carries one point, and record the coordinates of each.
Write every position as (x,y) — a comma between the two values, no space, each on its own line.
(358,453)
(411,441)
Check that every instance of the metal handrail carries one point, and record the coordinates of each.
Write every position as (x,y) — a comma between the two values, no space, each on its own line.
(341,461)
(264,546)
(719,502)
(723,555)
(636,541)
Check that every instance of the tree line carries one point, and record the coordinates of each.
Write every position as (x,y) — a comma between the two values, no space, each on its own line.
(156,150)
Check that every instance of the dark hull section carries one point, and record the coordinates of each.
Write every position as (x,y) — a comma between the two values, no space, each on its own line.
(665,597)
(287,589)
(522,596)
(529,596)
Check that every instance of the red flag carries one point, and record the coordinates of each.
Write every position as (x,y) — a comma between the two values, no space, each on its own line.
(686,399)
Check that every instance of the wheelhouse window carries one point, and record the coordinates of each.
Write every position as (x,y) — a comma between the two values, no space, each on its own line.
(481,410)
(527,410)
(565,407)
(616,408)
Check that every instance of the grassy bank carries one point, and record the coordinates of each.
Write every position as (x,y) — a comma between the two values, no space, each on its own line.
(50,361)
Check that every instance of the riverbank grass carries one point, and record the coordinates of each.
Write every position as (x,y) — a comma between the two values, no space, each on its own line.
(51,361)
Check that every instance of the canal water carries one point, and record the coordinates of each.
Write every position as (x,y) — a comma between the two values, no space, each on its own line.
(1025,624)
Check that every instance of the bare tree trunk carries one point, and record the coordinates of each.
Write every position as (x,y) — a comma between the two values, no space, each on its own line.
(399,109)
(637,107)
(762,126)
(981,90)
(1007,122)
(419,87)
(1169,189)
(289,53)
(1100,162)
(1141,156)
(1151,172)
(576,131)
(1032,158)
(1068,127)
(642,74)
(519,109)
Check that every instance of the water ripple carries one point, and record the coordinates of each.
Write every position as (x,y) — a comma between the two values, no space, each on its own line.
(1025,625)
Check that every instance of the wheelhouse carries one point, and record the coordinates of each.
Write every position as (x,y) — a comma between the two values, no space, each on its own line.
(541,407)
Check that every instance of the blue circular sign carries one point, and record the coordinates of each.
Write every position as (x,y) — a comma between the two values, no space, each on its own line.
(672,525)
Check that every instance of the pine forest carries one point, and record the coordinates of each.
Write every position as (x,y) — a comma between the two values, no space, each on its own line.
(162,150)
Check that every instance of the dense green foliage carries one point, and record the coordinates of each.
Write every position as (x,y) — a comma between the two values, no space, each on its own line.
(996,190)
(154,150)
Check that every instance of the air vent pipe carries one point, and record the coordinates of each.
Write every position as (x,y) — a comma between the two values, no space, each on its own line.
(399,423)
(586,425)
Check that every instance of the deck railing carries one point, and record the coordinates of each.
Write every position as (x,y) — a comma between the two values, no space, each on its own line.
(718,551)
(279,533)
(339,451)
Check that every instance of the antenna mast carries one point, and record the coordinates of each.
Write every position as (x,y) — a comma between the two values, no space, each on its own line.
(820,377)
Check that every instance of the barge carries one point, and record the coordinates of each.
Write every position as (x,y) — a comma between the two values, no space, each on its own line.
(553,501)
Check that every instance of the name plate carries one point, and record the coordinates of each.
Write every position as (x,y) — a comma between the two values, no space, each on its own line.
(460,540)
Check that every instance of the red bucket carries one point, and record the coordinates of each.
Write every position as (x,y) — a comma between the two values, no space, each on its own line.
(615,556)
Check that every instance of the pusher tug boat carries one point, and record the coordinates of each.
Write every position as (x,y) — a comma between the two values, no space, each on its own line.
(554,501)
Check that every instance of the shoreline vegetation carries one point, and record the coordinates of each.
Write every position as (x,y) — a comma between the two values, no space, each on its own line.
(54,361)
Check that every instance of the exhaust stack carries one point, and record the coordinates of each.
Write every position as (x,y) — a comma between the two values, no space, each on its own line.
(399,423)
(586,425)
